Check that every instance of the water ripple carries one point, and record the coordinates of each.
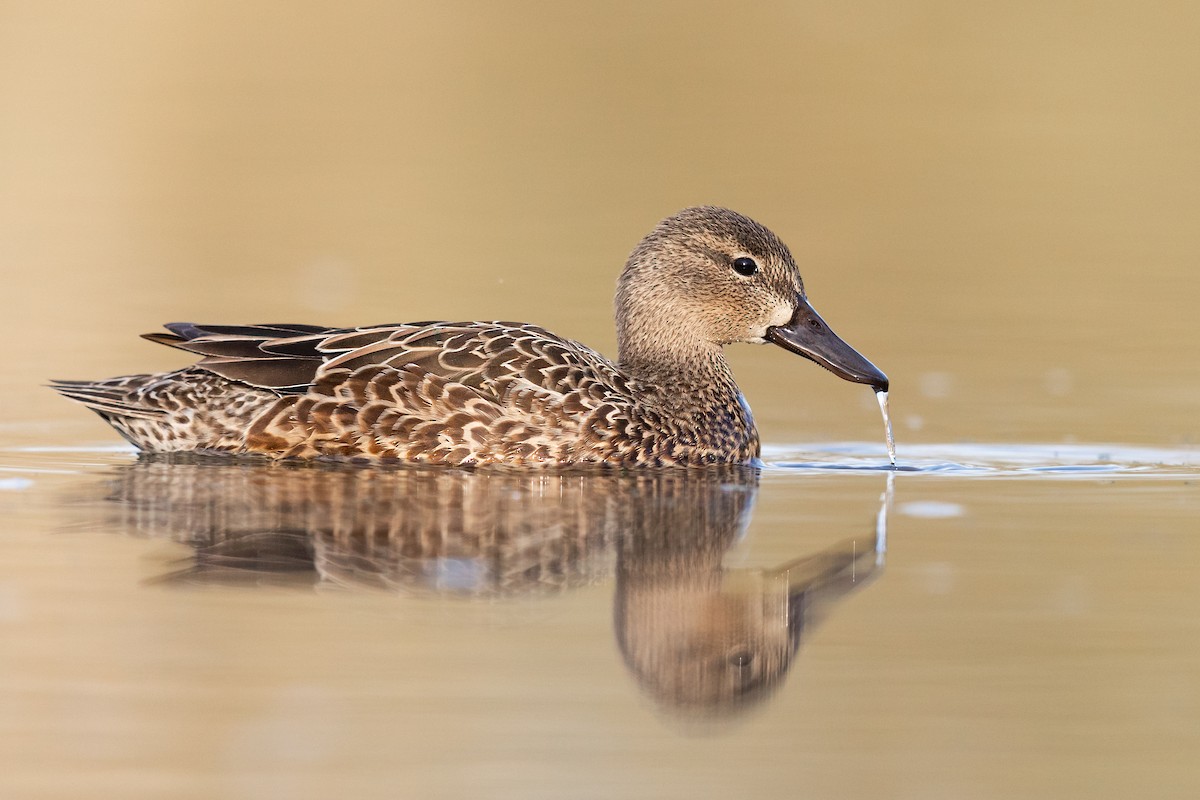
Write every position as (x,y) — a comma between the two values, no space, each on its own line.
(991,460)
(954,460)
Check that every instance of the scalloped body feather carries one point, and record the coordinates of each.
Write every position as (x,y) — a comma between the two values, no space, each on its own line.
(438,393)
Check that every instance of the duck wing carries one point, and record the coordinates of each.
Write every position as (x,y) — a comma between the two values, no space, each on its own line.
(435,392)
(291,359)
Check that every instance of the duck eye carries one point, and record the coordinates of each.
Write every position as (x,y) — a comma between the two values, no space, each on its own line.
(745,266)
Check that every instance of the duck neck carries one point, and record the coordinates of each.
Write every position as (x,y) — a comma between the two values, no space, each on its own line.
(662,344)
(696,377)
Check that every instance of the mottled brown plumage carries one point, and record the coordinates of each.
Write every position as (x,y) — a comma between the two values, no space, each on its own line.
(478,393)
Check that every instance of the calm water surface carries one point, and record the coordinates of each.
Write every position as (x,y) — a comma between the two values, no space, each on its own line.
(984,622)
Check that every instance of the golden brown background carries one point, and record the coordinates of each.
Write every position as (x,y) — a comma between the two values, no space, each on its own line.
(997,203)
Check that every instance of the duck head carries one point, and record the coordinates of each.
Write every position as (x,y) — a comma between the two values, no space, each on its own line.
(707,277)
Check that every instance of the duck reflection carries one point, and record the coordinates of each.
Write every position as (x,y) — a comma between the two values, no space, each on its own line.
(697,636)
(702,639)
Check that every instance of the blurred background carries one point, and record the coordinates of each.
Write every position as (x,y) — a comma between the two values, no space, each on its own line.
(996,203)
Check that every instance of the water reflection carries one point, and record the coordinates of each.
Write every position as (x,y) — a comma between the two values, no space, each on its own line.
(698,637)
(703,639)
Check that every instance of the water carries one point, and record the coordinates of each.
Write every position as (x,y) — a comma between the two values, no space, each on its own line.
(882,397)
(251,627)
(997,204)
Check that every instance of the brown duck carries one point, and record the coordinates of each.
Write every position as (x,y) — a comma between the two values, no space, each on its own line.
(479,393)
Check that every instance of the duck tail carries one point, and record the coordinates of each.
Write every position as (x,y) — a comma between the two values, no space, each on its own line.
(121,405)
(188,409)
(114,397)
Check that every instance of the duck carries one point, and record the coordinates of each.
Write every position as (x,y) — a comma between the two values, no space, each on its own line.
(473,394)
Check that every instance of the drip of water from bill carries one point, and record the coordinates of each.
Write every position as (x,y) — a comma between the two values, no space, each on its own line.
(882,397)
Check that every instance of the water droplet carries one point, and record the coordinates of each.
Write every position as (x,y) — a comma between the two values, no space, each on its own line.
(935,385)
(1058,382)
(882,397)
(932,509)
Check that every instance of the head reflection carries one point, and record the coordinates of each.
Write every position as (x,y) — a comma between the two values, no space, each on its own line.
(697,637)
(703,640)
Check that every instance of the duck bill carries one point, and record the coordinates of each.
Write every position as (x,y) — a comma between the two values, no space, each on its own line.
(807,334)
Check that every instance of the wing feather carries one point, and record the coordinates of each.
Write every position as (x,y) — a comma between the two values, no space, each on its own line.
(483,356)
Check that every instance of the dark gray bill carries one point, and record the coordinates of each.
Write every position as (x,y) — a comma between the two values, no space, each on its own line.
(807,334)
